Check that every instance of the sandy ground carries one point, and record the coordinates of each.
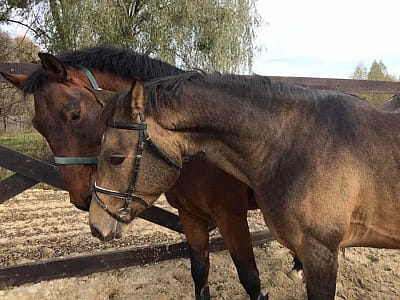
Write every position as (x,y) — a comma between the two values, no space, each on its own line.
(40,224)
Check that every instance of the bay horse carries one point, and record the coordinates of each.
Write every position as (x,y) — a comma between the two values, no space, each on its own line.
(67,105)
(324,165)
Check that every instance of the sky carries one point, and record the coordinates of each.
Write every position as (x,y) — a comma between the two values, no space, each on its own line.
(310,38)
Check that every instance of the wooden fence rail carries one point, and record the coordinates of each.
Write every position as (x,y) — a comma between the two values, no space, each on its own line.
(107,260)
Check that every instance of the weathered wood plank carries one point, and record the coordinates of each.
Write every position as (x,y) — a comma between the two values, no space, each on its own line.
(16,68)
(30,167)
(87,264)
(15,185)
(162,217)
(348,85)
(391,104)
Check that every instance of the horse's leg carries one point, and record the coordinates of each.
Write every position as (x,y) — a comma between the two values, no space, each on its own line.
(320,269)
(296,273)
(196,231)
(235,231)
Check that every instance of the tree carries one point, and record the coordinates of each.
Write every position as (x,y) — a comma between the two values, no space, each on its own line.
(208,34)
(12,104)
(377,71)
(360,72)
(30,14)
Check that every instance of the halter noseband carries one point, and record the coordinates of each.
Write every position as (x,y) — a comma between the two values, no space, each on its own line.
(123,214)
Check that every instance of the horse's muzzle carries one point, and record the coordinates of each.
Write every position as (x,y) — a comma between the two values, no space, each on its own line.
(114,234)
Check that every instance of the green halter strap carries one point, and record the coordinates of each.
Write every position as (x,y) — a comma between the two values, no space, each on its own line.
(91,78)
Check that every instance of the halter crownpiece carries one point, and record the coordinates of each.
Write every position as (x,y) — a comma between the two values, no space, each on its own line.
(123,214)
(91,78)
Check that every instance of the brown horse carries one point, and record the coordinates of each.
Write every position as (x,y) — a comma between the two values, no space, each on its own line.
(66,114)
(324,165)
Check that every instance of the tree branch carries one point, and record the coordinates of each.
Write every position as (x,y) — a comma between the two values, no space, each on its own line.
(38,33)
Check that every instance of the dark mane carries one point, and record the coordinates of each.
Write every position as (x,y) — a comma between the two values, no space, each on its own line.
(158,91)
(123,62)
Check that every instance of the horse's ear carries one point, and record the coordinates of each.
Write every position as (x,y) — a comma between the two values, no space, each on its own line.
(53,66)
(15,79)
(137,98)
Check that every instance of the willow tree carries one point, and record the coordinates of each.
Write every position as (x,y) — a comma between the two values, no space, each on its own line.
(208,34)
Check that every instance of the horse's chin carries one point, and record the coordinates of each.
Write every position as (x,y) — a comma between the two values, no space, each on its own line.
(107,233)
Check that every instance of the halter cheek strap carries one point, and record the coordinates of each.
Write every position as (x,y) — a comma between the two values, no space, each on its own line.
(78,160)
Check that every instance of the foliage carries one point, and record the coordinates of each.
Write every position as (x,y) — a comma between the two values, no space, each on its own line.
(209,34)
(377,71)
(360,72)
(14,106)
(19,49)
(30,14)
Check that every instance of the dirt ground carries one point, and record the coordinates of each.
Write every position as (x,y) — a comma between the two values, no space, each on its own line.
(42,224)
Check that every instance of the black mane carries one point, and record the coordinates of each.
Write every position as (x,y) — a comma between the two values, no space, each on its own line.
(160,90)
(123,62)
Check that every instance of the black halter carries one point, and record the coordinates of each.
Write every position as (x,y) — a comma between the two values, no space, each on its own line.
(123,214)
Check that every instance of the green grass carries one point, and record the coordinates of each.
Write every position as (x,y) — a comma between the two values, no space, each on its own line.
(30,143)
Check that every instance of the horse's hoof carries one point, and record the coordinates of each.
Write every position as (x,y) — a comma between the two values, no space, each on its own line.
(296,276)
(204,294)
(262,297)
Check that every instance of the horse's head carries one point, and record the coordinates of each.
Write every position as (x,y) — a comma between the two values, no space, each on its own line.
(66,114)
(132,169)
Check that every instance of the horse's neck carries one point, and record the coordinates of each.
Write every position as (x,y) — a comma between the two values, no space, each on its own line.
(236,136)
(112,82)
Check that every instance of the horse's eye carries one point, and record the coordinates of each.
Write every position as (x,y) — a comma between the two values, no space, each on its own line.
(76,116)
(116,160)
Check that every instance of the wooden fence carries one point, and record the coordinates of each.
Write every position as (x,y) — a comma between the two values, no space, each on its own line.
(30,171)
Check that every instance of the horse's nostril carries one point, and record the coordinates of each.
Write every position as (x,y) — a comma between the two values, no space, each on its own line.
(95,232)
(112,235)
